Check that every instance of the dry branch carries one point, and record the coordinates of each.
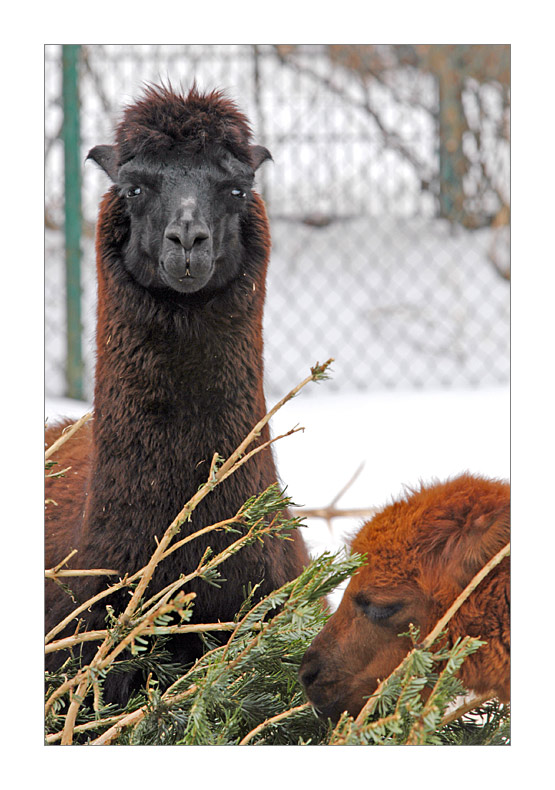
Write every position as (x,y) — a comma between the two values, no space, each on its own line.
(107,652)
(273,720)
(331,511)
(67,434)
(52,574)
(466,707)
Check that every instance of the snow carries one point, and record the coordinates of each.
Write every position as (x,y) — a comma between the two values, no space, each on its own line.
(402,437)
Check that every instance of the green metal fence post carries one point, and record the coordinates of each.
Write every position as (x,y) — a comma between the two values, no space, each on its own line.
(72,184)
(452,161)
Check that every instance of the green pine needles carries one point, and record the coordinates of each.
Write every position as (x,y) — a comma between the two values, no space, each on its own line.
(245,691)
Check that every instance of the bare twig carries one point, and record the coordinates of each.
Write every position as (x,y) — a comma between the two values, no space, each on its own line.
(330,512)
(466,707)
(101,661)
(67,434)
(279,717)
(390,138)
(52,574)
(125,721)
(91,725)
(98,636)
(58,567)
(347,485)
(258,449)
(470,587)
(104,657)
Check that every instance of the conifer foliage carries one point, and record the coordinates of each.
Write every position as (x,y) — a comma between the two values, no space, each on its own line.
(245,690)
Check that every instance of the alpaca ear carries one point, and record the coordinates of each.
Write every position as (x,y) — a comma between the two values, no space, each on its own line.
(105,157)
(479,541)
(259,154)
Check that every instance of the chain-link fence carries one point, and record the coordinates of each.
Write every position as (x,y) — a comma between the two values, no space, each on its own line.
(388,202)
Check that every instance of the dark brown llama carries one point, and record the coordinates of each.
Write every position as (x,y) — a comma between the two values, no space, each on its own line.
(421,553)
(182,251)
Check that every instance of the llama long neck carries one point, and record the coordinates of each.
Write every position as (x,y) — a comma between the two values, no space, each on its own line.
(173,386)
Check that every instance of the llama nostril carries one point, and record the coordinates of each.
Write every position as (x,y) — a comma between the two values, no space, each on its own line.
(172,236)
(188,236)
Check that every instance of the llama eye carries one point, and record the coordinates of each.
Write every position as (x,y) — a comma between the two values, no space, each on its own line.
(133,192)
(238,193)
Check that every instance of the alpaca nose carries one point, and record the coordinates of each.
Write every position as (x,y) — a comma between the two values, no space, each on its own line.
(309,670)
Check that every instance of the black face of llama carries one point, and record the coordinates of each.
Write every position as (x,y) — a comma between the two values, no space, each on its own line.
(185,190)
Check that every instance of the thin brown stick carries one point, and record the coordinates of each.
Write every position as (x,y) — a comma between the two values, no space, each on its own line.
(57,567)
(273,720)
(91,725)
(466,707)
(103,656)
(129,718)
(125,582)
(330,512)
(76,639)
(346,487)
(102,660)
(98,636)
(213,479)
(136,716)
(67,434)
(258,449)
(255,432)
(470,587)
(52,574)
(71,715)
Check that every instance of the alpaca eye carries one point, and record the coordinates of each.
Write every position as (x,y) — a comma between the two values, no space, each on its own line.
(133,192)
(380,613)
(238,193)
(377,613)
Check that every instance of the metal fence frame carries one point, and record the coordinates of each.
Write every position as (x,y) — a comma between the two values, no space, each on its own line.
(456,67)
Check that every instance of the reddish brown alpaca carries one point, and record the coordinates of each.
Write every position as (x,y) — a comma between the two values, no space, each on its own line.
(421,553)
(182,251)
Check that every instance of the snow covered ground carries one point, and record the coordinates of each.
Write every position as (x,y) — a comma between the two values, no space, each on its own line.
(401,437)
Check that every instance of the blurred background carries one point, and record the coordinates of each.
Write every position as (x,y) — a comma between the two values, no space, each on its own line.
(388,201)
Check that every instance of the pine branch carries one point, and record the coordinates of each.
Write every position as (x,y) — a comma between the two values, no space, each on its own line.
(273,720)
(339,738)
(219,667)
(217,474)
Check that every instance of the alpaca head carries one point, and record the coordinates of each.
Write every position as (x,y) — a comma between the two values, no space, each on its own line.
(183,168)
(421,552)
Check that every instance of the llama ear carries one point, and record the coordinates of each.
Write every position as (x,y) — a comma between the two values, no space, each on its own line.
(259,154)
(105,157)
